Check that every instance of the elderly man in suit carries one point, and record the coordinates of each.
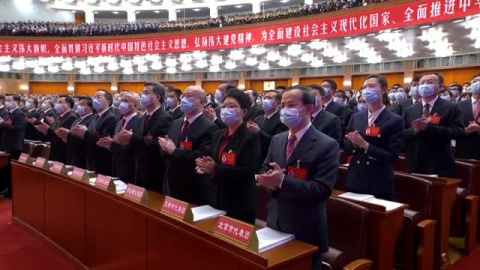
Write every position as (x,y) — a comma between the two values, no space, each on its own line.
(310,160)
(468,146)
(255,109)
(430,127)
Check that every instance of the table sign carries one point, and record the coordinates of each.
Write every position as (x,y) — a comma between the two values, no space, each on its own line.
(41,163)
(80,174)
(25,158)
(174,207)
(59,168)
(105,182)
(137,194)
(237,232)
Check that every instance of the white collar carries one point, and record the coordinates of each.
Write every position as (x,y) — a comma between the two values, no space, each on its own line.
(432,102)
(172,110)
(300,133)
(327,103)
(191,120)
(128,118)
(85,116)
(372,116)
(314,115)
(268,116)
(151,113)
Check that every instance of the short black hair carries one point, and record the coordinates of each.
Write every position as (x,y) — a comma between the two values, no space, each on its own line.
(35,102)
(158,90)
(332,84)
(344,95)
(68,100)
(230,85)
(240,97)
(460,88)
(2,97)
(478,75)
(278,95)
(307,95)
(169,88)
(319,88)
(15,97)
(177,92)
(416,79)
(50,102)
(212,105)
(448,91)
(89,101)
(396,85)
(441,80)
(255,93)
(381,80)
(281,87)
(108,96)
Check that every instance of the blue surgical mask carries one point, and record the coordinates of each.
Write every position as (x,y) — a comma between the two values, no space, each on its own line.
(80,110)
(60,108)
(475,88)
(291,117)
(268,104)
(44,107)
(10,105)
(145,101)
(338,100)
(392,96)
(401,96)
(455,93)
(186,105)
(414,91)
(97,104)
(116,102)
(445,97)
(427,90)
(124,107)
(171,103)
(230,116)
(219,96)
(362,107)
(370,95)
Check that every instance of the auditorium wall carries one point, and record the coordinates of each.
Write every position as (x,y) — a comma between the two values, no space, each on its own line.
(134,87)
(392,78)
(91,88)
(42,88)
(258,85)
(34,10)
(458,75)
(318,80)
(180,85)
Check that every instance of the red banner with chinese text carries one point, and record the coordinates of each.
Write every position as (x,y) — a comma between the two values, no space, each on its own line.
(407,15)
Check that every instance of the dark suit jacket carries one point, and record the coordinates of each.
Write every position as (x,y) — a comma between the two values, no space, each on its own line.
(395,108)
(298,207)
(177,113)
(430,151)
(151,165)
(124,163)
(372,172)
(268,129)
(219,121)
(352,103)
(114,110)
(31,133)
(76,147)
(58,151)
(336,109)
(468,146)
(185,184)
(51,113)
(13,134)
(254,111)
(99,159)
(235,185)
(4,113)
(329,124)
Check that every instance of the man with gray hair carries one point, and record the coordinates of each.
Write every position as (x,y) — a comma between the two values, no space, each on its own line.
(123,160)
(189,138)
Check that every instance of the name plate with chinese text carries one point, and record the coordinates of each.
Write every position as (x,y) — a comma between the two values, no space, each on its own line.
(174,207)
(136,193)
(237,231)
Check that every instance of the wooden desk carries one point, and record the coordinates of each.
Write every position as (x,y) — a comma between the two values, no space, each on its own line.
(98,229)
(383,229)
(4,160)
(476,185)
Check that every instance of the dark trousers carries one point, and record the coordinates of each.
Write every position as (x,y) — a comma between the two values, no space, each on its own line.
(6,173)
(317,261)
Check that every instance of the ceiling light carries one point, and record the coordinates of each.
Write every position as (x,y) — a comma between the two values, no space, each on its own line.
(113,66)
(317,62)
(294,50)
(216,59)
(85,71)
(186,67)
(171,70)
(285,62)
(39,70)
(263,66)
(251,61)
(128,71)
(197,9)
(67,65)
(239,6)
(115,12)
(199,55)
(306,57)
(156,65)
(185,58)
(214,68)
(230,65)
(170,62)
(53,69)
(201,64)
(157,11)
(236,55)
(273,56)
(4,67)
(257,50)
(284,1)
(99,69)
(142,68)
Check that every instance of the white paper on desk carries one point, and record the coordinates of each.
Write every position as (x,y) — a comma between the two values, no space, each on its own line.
(120,186)
(69,166)
(389,205)
(356,196)
(269,238)
(69,173)
(92,181)
(426,175)
(205,212)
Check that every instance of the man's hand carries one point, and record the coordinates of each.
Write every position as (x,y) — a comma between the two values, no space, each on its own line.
(273,178)
(209,114)
(42,128)
(49,119)
(420,124)
(357,140)
(62,133)
(166,145)
(252,126)
(79,130)
(472,128)
(123,137)
(105,142)
(205,165)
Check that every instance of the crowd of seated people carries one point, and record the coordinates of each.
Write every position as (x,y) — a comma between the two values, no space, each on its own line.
(29,28)
(215,150)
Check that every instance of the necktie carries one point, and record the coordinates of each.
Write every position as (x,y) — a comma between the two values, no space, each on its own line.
(183,132)
(476,111)
(124,121)
(147,120)
(426,110)
(371,119)
(291,145)
(265,121)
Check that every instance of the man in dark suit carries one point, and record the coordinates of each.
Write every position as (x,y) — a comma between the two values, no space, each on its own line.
(155,123)
(374,155)
(330,88)
(456,90)
(123,161)
(269,124)
(468,146)
(99,159)
(12,131)
(188,139)
(76,146)
(58,151)
(430,127)
(322,120)
(414,95)
(33,118)
(173,104)
(3,110)
(49,116)
(255,109)
(214,114)
(311,158)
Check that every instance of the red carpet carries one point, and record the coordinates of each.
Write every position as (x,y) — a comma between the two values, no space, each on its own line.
(471,262)
(20,250)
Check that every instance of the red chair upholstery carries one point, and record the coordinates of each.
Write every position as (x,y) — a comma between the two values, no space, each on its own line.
(347,233)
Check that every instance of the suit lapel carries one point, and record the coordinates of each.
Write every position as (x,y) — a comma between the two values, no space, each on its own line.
(468,111)
(302,147)
(437,108)
(383,117)
(281,151)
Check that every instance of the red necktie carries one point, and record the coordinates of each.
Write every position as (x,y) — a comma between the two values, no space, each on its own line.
(291,145)
(183,132)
